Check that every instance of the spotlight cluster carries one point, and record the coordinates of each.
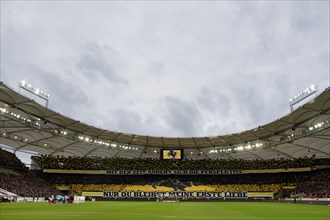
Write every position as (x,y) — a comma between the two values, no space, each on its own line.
(238,148)
(319,125)
(96,141)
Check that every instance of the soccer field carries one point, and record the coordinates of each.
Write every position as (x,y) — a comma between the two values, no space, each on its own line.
(161,210)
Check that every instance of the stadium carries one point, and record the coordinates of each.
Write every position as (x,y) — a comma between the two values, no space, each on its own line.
(164,109)
(282,162)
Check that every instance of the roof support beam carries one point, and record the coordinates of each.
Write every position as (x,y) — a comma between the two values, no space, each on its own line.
(228,154)
(281,152)
(222,138)
(65,146)
(117,153)
(146,147)
(34,142)
(91,151)
(13,132)
(208,139)
(239,137)
(320,137)
(142,152)
(162,141)
(75,150)
(310,148)
(252,134)
(180,146)
(133,136)
(255,155)
(115,139)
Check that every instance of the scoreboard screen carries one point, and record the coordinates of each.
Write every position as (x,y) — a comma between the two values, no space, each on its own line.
(173,154)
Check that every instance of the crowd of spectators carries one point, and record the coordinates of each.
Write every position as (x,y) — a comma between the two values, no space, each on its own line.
(16,178)
(27,184)
(9,160)
(100,163)
(315,182)
(80,188)
(315,186)
(260,178)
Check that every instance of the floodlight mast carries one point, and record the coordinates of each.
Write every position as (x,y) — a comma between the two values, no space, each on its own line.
(35,91)
(312,89)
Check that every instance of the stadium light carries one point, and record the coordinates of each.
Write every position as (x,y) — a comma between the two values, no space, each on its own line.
(35,91)
(312,89)
(240,148)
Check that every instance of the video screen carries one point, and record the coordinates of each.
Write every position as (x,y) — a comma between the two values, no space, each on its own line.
(172,154)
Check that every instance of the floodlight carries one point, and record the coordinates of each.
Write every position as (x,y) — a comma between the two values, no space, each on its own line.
(239,148)
(36,91)
(303,95)
(313,87)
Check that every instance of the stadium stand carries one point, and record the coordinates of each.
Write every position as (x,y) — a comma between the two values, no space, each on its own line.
(99,163)
(9,160)
(310,183)
(27,184)
(16,178)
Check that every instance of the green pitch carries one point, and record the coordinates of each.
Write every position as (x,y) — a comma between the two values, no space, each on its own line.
(162,210)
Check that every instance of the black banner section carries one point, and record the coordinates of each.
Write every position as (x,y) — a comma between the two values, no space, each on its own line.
(176,194)
(173,172)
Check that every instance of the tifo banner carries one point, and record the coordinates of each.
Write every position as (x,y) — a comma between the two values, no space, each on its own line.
(172,172)
(177,194)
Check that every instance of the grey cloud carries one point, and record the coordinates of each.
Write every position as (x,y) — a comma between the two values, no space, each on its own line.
(249,101)
(217,104)
(96,60)
(181,116)
(222,66)
(156,67)
(307,16)
(214,101)
(126,121)
(66,97)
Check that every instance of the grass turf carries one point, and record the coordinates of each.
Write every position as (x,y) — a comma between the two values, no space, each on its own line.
(161,210)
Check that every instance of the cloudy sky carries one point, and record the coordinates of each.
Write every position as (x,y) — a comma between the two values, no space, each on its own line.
(169,68)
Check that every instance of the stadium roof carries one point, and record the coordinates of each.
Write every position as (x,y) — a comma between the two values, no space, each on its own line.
(28,126)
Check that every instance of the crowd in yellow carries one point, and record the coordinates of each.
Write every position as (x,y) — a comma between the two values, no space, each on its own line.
(79,188)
